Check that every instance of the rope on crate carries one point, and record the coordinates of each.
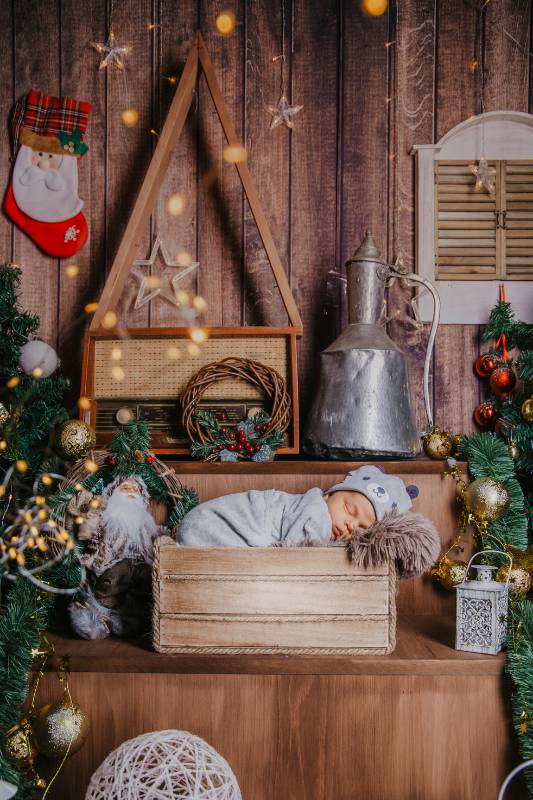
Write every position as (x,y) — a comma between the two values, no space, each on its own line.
(260,375)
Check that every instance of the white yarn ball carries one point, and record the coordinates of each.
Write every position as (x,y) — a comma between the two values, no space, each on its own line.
(164,765)
(37,354)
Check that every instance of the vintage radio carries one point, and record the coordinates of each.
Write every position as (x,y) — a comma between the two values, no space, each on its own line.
(152,381)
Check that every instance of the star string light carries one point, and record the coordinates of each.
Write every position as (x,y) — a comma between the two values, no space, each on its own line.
(151,286)
(112,54)
(283,112)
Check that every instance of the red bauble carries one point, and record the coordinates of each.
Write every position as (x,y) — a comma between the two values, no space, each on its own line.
(485,414)
(111,461)
(149,459)
(502,380)
(486,364)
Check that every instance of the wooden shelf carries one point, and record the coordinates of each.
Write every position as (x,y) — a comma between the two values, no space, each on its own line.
(296,466)
(424,647)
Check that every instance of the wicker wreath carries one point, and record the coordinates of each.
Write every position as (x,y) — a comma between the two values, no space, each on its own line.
(253,372)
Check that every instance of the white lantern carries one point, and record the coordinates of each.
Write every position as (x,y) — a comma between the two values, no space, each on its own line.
(482,609)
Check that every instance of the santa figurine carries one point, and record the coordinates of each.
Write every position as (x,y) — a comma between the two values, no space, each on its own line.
(42,197)
(119,530)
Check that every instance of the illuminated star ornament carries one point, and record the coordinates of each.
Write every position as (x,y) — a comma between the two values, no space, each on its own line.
(166,286)
(112,54)
(283,113)
(485,176)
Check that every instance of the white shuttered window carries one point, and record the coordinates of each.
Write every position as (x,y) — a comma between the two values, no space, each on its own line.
(482,236)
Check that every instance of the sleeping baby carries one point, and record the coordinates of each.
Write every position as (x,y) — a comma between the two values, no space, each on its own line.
(268,518)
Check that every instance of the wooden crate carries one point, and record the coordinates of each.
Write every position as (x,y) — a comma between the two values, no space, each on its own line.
(270,600)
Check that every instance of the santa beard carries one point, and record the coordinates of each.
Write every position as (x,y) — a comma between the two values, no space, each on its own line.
(128,530)
(46,195)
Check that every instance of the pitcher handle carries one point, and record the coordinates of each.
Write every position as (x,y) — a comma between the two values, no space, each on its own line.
(411,276)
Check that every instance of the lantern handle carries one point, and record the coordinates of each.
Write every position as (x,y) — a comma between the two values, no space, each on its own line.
(484,552)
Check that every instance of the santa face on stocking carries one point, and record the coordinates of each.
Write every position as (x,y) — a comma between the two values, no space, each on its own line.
(42,198)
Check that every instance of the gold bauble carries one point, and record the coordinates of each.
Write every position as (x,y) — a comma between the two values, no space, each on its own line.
(519,579)
(521,558)
(4,414)
(487,499)
(451,572)
(59,728)
(74,439)
(514,451)
(19,746)
(527,409)
(437,444)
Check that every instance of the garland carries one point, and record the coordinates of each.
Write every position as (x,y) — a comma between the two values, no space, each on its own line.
(488,456)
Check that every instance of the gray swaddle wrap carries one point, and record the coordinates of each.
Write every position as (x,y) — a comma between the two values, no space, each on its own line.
(257,519)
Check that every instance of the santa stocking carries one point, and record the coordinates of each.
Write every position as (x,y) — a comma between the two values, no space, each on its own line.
(42,197)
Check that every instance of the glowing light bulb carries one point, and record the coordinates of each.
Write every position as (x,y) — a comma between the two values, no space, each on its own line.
(72,270)
(375,8)
(183,258)
(225,22)
(175,204)
(84,403)
(198,335)
(118,374)
(90,308)
(173,353)
(199,303)
(116,354)
(110,320)
(12,382)
(234,153)
(130,117)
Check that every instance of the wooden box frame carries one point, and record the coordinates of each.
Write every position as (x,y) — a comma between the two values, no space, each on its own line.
(198,58)
(271,600)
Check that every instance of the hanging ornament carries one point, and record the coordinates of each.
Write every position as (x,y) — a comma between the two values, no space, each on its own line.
(4,414)
(527,409)
(19,747)
(450,572)
(485,176)
(438,444)
(283,112)
(59,729)
(485,414)
(111,53)
(519,579)
(514,451)
(37,355)
(486,364)
(487,499)
(74,439)
(502,380)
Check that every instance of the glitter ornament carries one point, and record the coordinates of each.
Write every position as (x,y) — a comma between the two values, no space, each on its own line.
(519,579)
(74,439)
(486,364)
(438,444)
(4,414)
(527,409)
(487,499)
(19,747)
(485,176)
(502,380)
(450,572)
(59,729)
(485,414)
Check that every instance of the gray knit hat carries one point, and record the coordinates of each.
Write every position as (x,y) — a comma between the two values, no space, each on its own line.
(386,492)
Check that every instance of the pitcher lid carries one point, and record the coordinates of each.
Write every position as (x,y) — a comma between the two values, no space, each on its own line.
(367,250)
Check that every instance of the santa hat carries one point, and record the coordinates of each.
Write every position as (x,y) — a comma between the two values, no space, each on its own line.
(51,124)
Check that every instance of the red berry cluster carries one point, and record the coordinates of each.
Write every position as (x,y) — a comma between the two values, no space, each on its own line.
(242,444)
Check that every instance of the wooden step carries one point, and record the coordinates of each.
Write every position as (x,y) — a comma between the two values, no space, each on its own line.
(424,647)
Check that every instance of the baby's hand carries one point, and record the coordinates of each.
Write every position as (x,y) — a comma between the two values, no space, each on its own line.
(344,535)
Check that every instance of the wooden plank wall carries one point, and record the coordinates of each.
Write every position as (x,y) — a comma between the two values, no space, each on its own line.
(370,87)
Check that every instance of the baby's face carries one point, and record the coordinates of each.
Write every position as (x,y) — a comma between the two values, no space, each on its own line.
(349,510)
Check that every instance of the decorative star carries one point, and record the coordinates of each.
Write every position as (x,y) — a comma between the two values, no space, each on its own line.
(283,113)
(112,54)
(151,286)
(485,176)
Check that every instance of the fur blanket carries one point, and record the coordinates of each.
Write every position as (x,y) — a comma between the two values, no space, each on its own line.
(410,539)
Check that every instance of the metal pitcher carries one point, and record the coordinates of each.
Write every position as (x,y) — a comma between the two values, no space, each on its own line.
(362,408)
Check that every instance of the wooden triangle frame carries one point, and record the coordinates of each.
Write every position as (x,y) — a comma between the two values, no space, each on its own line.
(136,227)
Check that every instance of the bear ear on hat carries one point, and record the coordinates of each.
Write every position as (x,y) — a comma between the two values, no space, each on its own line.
(412,491)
